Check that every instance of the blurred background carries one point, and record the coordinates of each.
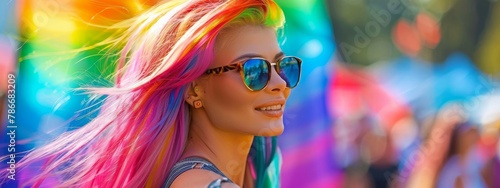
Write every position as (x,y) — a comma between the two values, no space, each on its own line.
(394,93)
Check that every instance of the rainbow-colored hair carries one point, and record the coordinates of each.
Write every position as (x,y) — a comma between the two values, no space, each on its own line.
(142,126)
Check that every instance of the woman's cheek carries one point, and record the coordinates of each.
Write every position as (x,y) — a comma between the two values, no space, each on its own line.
(230,92)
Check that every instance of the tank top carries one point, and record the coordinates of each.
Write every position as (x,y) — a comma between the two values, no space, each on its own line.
(195,163)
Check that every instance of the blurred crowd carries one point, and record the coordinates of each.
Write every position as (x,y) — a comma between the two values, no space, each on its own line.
(415,93)
(382,140)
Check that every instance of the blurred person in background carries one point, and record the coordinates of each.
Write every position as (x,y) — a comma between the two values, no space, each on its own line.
(491,169)
(459,153)
(462,167)
(369,124)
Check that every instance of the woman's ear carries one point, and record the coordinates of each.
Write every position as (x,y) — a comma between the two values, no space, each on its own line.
(194,95)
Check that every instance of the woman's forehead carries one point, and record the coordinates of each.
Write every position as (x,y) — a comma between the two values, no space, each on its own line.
(249,39)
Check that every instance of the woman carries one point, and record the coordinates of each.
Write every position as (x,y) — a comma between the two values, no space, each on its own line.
(198,82)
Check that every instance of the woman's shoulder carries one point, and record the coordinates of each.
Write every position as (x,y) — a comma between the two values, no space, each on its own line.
(201,178)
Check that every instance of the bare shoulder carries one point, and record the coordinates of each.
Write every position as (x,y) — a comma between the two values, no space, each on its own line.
(199,178)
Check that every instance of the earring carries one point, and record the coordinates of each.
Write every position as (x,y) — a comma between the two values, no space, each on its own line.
(197,104)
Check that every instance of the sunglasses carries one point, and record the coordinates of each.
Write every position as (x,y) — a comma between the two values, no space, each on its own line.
(256,72)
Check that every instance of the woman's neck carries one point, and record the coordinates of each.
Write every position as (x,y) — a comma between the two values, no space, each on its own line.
(226,150)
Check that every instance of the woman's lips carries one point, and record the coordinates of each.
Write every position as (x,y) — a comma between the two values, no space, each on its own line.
(270,107)
(273,111)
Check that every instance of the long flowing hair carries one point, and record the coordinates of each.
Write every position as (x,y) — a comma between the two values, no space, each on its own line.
(142,125)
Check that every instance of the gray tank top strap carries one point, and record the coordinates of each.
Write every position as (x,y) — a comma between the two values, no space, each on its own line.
(217,183)
(194,163)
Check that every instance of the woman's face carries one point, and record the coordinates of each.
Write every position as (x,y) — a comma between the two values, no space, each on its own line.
(229,105)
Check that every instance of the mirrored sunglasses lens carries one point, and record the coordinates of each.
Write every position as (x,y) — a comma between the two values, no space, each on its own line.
(290,71)
(256,73)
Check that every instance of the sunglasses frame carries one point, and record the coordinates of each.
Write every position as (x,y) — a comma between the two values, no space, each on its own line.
(239,67)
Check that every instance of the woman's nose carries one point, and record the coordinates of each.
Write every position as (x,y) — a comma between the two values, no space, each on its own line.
(276,83)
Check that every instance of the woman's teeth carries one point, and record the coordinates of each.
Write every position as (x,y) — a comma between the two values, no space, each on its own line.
(274,107)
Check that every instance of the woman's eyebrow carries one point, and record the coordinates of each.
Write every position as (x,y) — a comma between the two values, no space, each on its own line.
(278,56)
(251,55)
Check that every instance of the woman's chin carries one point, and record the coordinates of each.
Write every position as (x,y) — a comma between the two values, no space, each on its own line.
(272,130)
